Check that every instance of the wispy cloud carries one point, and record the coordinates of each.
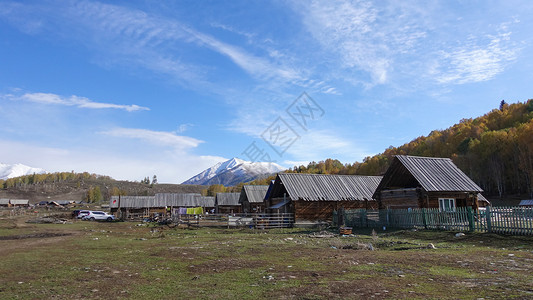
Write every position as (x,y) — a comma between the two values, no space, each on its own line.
(76,101)
(361,34)
(475,61)
(138,34)
(160,138)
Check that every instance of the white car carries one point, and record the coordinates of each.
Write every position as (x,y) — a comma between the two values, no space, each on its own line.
(98,216)
(82,213)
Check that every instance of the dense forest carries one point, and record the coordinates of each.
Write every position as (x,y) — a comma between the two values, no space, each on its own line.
(495,150)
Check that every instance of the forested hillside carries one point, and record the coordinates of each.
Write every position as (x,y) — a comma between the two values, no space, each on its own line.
(495,150)
(84,186)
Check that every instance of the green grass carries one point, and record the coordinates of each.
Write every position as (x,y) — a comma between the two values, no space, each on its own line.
(125,261)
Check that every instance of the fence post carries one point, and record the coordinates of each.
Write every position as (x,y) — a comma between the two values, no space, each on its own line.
(364,221)
(424,218)
(488,217)
(470,218)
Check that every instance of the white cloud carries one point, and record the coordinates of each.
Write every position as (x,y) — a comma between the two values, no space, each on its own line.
(365,37)
(161,138)
(475,62)
(81,102)
(168,166)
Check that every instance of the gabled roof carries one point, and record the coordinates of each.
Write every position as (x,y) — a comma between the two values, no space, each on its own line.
(253,193)
(431,173)
(321,187)
(228,199)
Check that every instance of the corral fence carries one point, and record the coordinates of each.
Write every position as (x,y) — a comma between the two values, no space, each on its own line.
(257,221)
(504,220)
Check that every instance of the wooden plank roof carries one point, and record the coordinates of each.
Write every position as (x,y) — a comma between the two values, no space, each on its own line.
(177,199)
(253,193)
(526,203)
(206,201)
(19,201)
(163,200)
(132,201)
(228,199)
(433,174)
(321,187)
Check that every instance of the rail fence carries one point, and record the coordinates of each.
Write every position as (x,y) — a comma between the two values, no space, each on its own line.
(258,221)
(503,220)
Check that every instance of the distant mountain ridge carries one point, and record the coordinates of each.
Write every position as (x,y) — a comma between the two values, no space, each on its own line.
(234,171)
(16,170)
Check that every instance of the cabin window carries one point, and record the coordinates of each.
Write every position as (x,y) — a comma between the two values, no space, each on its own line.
(447,204)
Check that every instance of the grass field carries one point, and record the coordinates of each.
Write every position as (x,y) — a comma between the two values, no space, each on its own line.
(123,260)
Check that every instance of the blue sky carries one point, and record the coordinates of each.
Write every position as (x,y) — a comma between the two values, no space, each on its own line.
(131,89)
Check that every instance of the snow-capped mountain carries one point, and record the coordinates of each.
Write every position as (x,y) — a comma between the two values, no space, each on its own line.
(16,170)
(234,171)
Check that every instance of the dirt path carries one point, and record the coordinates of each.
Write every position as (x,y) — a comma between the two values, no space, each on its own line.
(32,239)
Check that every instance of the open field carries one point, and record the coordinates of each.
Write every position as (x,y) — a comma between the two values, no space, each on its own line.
(122,260)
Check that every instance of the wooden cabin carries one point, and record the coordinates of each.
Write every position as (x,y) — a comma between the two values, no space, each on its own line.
(228,203)
(314,197)
(163,203)
(426,182)
(252,198)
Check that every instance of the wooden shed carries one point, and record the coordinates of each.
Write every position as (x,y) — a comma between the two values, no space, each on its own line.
(4,202)
(426,182)
(252,198)
(19,202)
(228,203)
(314,197)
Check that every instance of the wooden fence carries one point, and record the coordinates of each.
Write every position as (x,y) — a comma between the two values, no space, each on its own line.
(258,221)
(505,220)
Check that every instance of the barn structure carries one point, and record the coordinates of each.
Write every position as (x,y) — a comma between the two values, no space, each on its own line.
(426,182)
(252,198)
(314,197)
(162,203)
(228,203)
(4,202)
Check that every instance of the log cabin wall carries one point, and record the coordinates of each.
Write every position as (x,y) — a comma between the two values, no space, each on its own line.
(323,210)
(400,198)
(237,209)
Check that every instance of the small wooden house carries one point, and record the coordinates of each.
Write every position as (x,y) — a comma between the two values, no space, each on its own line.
(314,197)
(4,202)
(228,203)
(426,182)
(252,198)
